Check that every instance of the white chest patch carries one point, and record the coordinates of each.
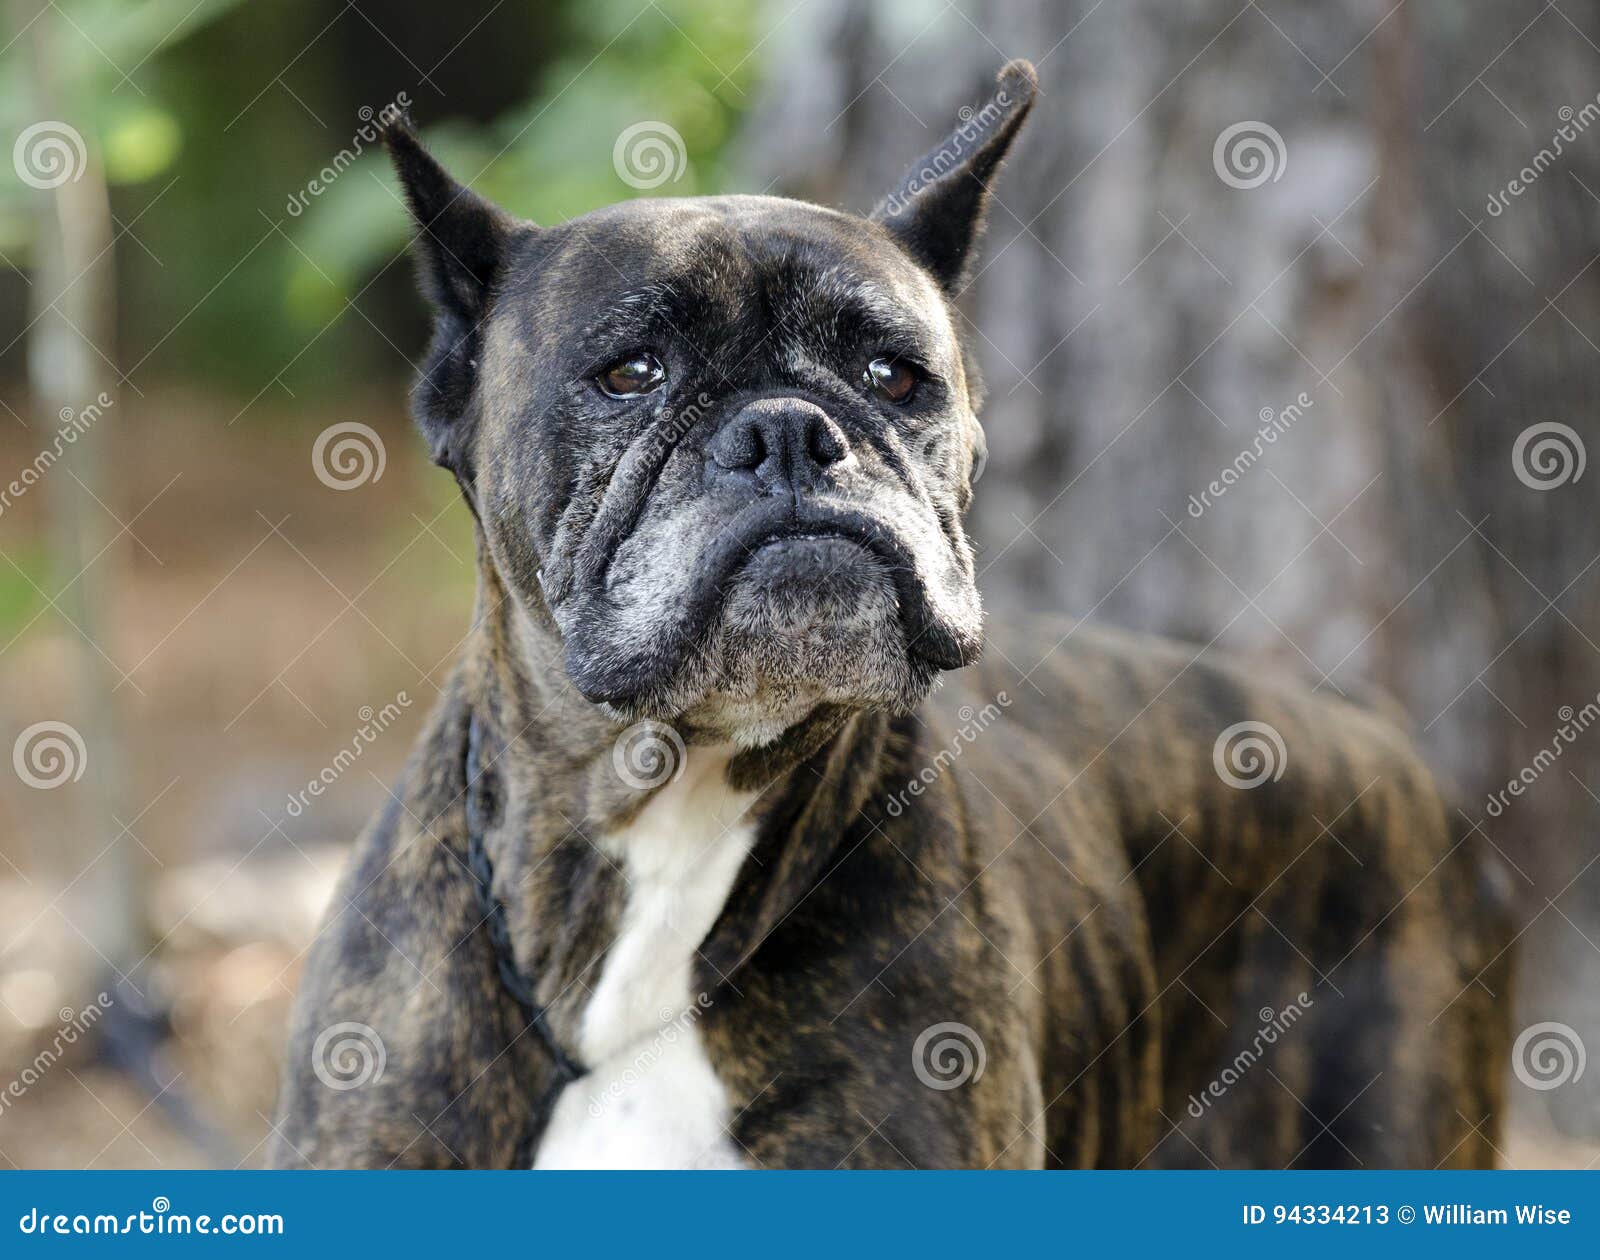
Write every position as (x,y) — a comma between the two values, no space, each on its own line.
(651,1098)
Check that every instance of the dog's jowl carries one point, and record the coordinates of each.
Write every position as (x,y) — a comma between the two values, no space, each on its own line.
(724,847)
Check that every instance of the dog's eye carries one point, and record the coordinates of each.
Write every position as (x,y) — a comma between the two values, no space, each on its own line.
(628,378)
(893,380)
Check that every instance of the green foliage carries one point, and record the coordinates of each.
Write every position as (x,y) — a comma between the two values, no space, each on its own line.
(21,582)
(686,64)
(267,232)
(130,132)
(139,140)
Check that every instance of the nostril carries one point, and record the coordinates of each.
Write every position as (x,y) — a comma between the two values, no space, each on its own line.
(827,443)
(739,446)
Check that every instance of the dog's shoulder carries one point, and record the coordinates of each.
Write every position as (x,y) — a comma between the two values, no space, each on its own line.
(399,1013)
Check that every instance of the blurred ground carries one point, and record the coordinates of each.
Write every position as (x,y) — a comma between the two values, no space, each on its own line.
(255,613)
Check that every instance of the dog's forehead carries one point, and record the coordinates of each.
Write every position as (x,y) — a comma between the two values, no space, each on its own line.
(729,249)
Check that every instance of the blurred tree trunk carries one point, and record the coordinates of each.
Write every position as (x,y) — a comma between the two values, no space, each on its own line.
(70,344)
(1138,315)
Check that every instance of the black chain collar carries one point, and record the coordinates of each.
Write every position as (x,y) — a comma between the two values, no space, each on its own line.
(480,789)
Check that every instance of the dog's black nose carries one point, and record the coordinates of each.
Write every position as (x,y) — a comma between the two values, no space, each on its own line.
(776,444)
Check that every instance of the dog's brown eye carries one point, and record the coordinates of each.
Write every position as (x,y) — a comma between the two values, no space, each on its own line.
(635,375)
(891,379)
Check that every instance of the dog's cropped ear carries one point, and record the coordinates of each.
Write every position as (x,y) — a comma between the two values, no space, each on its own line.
(938,210)
(462,243)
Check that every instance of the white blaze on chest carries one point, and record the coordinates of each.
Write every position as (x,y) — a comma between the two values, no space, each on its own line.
(651,1098)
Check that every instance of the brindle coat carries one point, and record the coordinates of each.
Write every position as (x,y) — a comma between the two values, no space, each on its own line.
(1046,851)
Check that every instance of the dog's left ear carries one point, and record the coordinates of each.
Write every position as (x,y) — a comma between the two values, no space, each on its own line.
(938,210)
(462,244)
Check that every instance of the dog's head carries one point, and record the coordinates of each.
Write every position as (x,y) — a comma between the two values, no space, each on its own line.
(720,447)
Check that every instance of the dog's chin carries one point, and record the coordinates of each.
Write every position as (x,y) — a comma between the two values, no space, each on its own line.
(807,621)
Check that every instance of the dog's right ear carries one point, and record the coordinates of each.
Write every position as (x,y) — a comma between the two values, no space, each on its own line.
(462,244)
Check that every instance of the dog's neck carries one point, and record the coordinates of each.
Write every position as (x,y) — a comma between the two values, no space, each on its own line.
(576,836)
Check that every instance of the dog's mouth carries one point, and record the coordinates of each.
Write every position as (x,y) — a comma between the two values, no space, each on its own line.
(806,564)
(808,557)
(780,569)
(785,544)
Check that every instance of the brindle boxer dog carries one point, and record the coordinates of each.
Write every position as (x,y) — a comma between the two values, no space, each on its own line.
(695,865)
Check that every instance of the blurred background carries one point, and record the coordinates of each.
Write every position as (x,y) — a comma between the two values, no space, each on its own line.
(231,584)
